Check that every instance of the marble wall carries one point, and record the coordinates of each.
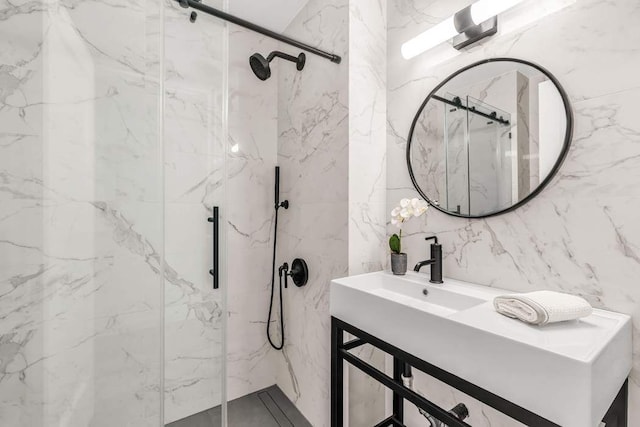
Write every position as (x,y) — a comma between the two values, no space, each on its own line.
(252,156)
(313,151)
(80,229)
(367,180)
(332,133)
(581,235)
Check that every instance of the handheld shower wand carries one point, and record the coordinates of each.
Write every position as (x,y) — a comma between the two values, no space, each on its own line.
(277,206)
(299,271)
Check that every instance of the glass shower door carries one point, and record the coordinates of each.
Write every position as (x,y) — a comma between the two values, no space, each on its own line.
(81,231)
(457,156)
(195,102)
(490,172)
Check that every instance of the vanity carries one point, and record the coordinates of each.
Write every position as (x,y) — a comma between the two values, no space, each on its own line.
(485,141)
(570,374)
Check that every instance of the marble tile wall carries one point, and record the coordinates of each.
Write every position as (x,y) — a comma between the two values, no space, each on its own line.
(81,192)
(367,179)
(332,149)
(253,140)
(313,152)
(581,235)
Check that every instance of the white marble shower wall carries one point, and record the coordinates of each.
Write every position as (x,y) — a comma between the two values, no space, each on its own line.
(252,156)
(332,132)
(80,245)
(313,151)
(209,164)
(581,235)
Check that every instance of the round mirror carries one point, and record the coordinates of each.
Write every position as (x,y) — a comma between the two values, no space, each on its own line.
(489,138)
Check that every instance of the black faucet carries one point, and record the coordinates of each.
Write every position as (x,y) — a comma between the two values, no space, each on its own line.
(435,262)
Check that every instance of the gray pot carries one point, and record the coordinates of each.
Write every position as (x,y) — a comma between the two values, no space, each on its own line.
(399,264)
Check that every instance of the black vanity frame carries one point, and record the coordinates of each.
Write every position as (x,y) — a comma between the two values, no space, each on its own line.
(615,417)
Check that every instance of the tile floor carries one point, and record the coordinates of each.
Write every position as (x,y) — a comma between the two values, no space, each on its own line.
(264,408)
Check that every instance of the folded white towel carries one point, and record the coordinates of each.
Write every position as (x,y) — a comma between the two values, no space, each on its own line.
(542,307)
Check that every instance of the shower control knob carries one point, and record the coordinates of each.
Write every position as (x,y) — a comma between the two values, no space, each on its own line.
(193,17)
(299,272)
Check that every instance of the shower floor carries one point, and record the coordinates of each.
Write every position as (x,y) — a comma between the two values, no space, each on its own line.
(265,408)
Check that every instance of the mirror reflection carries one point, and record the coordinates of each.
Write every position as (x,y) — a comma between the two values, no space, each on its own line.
(487,139)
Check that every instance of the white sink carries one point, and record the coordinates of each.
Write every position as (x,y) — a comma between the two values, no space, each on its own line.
(569,372)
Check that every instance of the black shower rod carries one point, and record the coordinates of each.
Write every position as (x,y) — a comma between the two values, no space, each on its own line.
(258,29)
(457,102)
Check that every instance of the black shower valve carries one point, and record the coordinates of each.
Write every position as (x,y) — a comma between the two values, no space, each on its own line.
(299,272)
(193,17)
(284,270)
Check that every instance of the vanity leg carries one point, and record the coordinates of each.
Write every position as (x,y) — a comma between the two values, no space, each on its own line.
(337,372)
(398,401)
(617,414)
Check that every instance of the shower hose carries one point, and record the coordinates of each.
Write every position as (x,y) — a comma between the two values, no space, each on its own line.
(273,280)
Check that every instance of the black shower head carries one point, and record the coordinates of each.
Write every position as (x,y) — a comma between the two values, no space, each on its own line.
(260,64)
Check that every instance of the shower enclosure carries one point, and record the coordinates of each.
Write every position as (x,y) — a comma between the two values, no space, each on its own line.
(479,131)
(115,153)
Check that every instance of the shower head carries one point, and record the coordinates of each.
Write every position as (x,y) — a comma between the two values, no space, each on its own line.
(262,69)
(260,66)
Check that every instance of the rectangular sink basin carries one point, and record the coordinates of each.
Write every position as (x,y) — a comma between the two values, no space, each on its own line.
(568,373)
(414,291)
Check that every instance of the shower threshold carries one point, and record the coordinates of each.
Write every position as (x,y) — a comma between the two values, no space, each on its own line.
(265,408)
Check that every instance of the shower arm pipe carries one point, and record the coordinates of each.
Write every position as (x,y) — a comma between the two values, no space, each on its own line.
(282,55)
(258,29)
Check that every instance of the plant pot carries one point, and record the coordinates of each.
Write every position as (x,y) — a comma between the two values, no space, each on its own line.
(399,264)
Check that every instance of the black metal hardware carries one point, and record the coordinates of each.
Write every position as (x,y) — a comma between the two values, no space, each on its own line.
(391,421)
(261,66)
(215,271)
(616,416)
(460,411)
(457,102)
(281,271)
(435,262)
(337,374)
(258,29)
(299,272)
(561,158)
(277,203)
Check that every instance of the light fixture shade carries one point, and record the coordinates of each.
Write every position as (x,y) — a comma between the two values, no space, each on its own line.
(429,39)
(485,9)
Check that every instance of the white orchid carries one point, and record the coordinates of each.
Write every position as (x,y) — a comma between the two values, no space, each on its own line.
(409,208)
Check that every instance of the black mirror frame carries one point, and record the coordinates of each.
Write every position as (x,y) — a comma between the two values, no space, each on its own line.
(561,158)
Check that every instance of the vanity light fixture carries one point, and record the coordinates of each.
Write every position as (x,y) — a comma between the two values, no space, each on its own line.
(471,24)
